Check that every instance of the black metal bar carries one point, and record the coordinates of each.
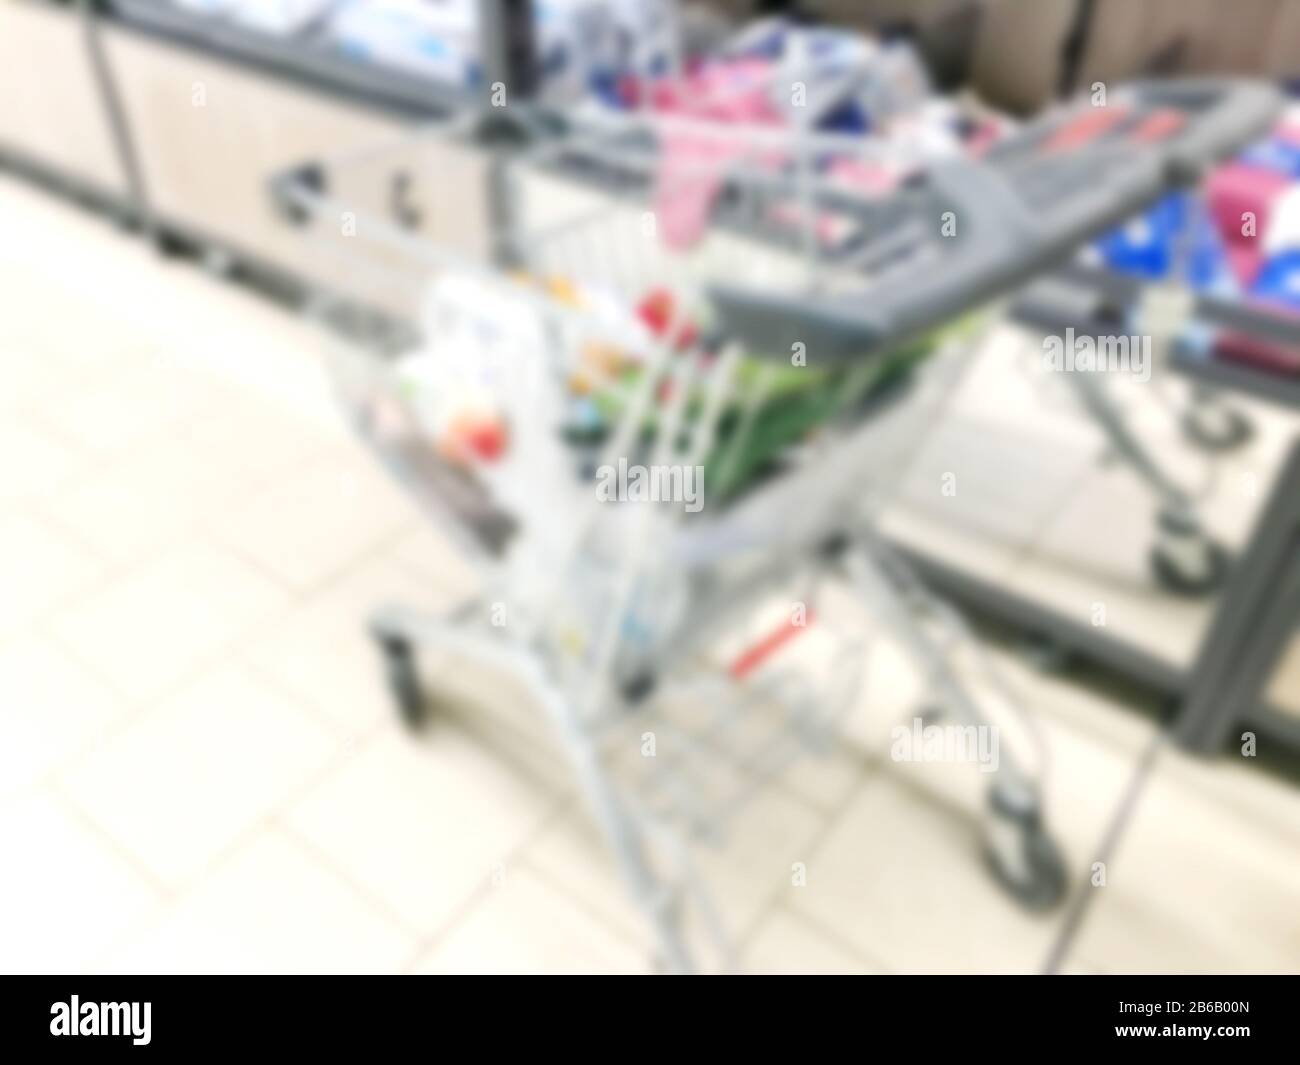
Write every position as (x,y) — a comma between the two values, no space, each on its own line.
(1234,661)
(1075,45)
(985,598)
(115,115)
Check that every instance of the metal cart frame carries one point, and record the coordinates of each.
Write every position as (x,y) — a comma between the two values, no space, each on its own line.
(806,523)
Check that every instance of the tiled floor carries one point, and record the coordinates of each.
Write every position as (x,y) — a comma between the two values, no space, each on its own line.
(200,769)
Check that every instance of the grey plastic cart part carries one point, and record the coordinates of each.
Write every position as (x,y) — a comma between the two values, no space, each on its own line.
(998,243)
(1004,232)
(1228,116)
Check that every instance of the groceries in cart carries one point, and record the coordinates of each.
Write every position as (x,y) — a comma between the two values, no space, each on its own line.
(478,376)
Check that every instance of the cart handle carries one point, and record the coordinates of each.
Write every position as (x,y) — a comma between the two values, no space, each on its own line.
(1001,240)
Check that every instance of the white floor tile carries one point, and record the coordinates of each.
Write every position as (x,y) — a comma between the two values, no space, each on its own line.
(901,878)
(43,365)
(142,503)
(427,552)
(259,436)
(40,568)
(34,464)
(272,908)
(931,534)
(749,865)
(786,944)
(65,895)
(523,925)
(133,405)
(149,628)
(50,709)
(184,781)
(1202,881)
(312,526)
(992,482)
(422,825)
(1007,384)
(348,687)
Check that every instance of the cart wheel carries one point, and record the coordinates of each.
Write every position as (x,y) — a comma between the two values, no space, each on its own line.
(1217,427)
(1184,559)
(1022,856)
(404,683)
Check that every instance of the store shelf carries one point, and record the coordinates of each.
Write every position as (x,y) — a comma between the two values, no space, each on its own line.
(308,57)
(54,125)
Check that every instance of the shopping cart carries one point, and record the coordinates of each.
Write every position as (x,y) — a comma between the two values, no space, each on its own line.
(654,446)
(1083,297)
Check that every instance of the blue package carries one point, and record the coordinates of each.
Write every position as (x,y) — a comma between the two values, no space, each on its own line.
(1274,153)
(1146,245)
(1143,246)
(1279,280)
(848,117)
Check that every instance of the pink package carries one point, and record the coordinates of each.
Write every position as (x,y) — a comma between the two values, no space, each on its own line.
(872,178)
(1288,131)
(694,163)
(1231,191)
(690,177)
(732,91)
